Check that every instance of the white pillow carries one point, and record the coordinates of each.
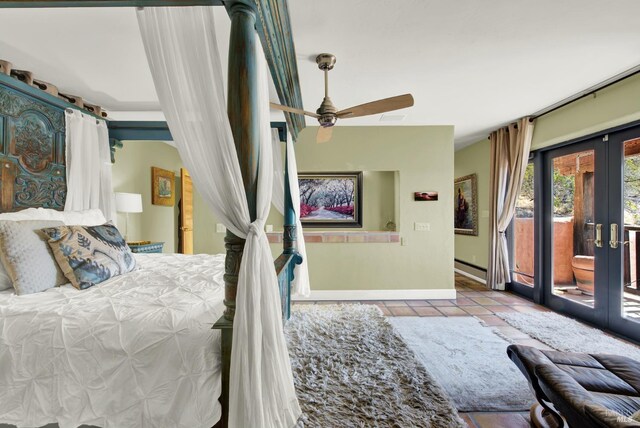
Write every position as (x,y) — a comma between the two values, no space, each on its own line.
(92,217)
(33,214)
(27,258)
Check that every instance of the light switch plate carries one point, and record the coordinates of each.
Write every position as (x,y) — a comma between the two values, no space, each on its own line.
(421,227)
(268,228)
(220,228)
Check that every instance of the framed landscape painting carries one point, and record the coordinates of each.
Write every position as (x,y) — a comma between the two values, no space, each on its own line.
(331,199)
(465,205)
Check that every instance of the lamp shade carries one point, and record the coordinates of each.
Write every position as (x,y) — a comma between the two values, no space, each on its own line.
(128,202)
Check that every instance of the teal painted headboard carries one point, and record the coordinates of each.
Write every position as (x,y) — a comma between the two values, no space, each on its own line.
(31,151)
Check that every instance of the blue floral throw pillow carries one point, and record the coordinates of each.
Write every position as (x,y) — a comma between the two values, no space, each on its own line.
(89,255)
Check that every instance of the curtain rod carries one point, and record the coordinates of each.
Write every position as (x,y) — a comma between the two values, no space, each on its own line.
(589,91)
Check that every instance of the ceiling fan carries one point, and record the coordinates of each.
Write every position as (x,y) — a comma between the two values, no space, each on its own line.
(327,114)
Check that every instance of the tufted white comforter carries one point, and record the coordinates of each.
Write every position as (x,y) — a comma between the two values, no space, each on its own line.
(135,351)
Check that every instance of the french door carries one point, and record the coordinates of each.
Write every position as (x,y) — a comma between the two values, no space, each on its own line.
(589,221)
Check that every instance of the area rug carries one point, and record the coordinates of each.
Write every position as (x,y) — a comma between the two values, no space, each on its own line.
(351,369)
(566,334)
(469,360)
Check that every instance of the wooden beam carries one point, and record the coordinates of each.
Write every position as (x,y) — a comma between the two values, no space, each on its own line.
(105,3)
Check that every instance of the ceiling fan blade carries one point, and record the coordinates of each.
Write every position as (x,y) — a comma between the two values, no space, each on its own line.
(375,107)
(293,110)
(324,134)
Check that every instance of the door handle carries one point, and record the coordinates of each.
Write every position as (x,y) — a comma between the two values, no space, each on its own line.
(598,240)
(613,237)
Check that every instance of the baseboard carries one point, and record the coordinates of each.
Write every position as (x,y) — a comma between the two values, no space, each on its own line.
(379,295)
(468,275)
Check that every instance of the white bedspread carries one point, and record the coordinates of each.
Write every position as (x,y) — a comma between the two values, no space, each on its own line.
(135,351)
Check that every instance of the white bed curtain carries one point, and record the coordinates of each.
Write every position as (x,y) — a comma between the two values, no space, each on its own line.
(88,159)
(181,49)
(301,285)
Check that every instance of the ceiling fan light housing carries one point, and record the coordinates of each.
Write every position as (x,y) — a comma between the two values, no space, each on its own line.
(327,120)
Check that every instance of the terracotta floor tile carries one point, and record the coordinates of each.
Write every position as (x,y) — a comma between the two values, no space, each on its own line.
(385,311)
(476,310)
(501,308)
(427,311)
(491,320)
(536,308)
(396,303)
(452,311)
(471,293)
(371,302)
(399,311)
(464,301)
(439,303)
(414,303)
(494,293)
(467,419)
(484,301)
(499,420)
(512,300)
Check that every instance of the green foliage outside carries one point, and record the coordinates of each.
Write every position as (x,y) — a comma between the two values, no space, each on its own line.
(564,190)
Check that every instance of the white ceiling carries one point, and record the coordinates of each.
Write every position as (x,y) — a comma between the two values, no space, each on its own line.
(472,64)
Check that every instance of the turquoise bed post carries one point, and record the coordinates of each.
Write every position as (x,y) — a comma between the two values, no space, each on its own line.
(289,246)
(243,109)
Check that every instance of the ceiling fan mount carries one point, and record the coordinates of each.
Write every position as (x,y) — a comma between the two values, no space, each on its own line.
(327,114)
(326,61)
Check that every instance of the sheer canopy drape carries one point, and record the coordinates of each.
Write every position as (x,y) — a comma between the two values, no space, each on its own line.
(510,149)
(88,157)
(301,284)
(181,49)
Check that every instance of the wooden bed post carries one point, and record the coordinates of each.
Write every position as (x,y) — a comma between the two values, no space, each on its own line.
(244,116)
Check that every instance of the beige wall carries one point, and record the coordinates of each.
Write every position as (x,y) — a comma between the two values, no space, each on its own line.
(474,159)
(616,105)
(423,159)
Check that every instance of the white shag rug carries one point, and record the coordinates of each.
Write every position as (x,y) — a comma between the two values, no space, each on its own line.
(469,360)
(351,369)
(566,334)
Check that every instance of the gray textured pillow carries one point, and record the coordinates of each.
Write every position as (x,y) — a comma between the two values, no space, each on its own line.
(26,256)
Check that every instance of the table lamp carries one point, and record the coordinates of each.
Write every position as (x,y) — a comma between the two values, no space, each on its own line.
(128,203)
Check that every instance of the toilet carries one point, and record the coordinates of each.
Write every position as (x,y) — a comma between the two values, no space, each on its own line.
(583,271)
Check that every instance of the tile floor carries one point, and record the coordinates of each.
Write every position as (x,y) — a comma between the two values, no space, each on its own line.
(473,299)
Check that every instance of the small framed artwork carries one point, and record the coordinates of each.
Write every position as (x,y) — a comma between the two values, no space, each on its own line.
(331,199)
(465,205)
(162,187)
(425,196)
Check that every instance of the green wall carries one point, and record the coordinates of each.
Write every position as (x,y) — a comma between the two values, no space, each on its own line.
(423,159)
(397,161)
(616,105)
(474,159)
(132,174)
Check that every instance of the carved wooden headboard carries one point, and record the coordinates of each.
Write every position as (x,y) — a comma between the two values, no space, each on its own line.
(31,152)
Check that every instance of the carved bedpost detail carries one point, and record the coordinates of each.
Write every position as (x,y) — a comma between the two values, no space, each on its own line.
(244,116)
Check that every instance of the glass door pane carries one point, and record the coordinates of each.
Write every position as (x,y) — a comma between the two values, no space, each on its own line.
(631,234)
(573,228)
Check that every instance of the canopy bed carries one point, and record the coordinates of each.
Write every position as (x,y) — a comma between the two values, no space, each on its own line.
(256,386)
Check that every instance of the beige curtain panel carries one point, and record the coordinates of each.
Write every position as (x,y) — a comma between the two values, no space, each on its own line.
(510,148)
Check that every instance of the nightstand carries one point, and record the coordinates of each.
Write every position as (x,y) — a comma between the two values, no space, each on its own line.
(146,247)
